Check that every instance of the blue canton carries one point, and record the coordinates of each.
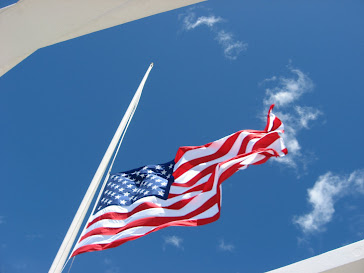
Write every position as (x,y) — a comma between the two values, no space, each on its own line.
(124,188)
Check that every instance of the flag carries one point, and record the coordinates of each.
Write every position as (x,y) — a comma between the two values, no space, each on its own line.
(183,192)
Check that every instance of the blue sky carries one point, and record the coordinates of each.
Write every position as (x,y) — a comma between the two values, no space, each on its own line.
(218,65)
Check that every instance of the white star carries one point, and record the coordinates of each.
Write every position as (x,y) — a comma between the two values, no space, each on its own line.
(168,176)
(161,193)
(117,197)
(126,193)
(113,194)
(158,167)
(154,187)
(117,186)
(158,180)
(129,186)
(142,175)
(121,189)
(109,202)
(146,193)
(145,168)
(170,166)
(122,202)
(164,172)
(150,184)
(150,171)
(124,182)
(164,184)
(135,189)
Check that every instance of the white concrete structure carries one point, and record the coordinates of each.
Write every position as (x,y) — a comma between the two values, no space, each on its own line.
(32,24)
(347,259)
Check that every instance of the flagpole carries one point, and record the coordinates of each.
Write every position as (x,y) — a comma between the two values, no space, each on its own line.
(73,230)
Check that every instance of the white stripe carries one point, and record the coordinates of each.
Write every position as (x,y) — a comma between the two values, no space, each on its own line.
(212,149)
(232,153)
(151,199)
(105,239)
(181,190)
(201,199)
(271,121)
(207,213)
(251,144)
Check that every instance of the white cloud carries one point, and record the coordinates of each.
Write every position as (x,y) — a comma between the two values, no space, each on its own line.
(328,189)
(231,47)
(190,21)
(289,89)
(226,247)
(285,92)
(305,115)
(174,241)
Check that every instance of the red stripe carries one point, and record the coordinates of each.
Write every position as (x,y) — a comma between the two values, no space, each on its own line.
(224,149)
(246,141)
(98,247)
(268,118)
(195,179)
(147,205)
(195,222)
(150,221)
(265,141)
(196,188)
(276,124)
(182,150)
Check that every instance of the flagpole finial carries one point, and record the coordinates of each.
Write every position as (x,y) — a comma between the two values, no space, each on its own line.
(152,64)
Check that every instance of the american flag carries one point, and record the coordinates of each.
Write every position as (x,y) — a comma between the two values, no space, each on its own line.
(183,192)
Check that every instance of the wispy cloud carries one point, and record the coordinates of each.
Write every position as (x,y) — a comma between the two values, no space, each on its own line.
(174,241)
(289,89)
(328,189)
(230,45)
(109,266)
(285,93)
(225,246)
(191,22)
(232,48)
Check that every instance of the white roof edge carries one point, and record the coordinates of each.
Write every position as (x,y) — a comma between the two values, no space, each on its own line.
(346,259)
(114,19)
(32,24)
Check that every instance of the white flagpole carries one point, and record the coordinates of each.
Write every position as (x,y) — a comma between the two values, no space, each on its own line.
(72,232)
